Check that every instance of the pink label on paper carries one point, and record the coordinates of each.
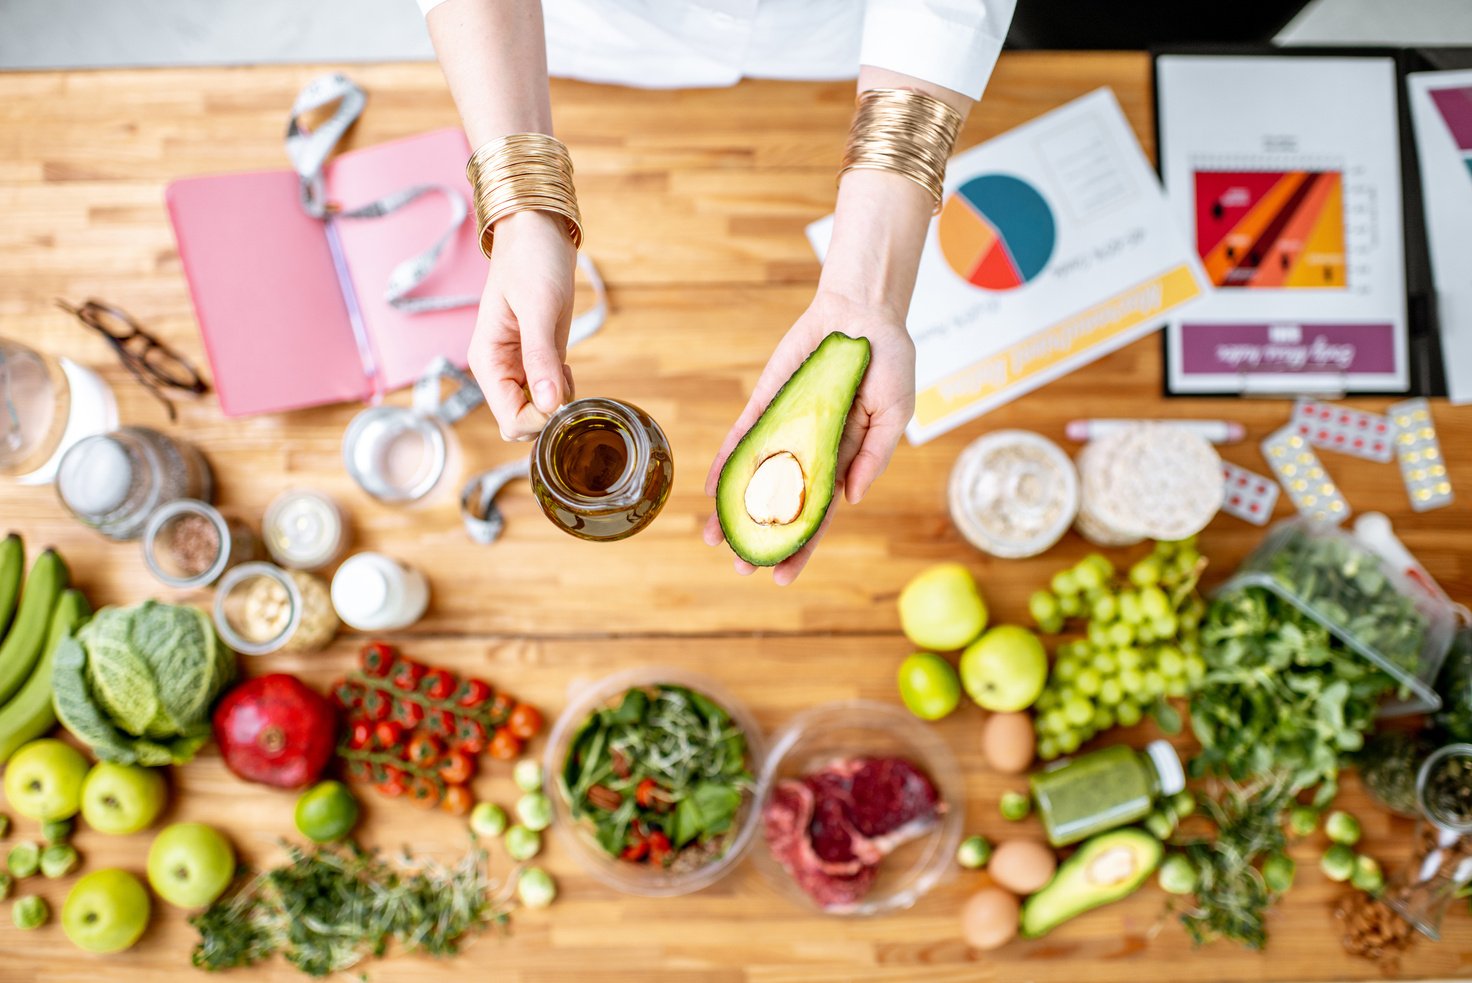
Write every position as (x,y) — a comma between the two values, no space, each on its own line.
(1275,349)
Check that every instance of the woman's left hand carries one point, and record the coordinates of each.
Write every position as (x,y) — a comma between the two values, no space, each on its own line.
(881,410)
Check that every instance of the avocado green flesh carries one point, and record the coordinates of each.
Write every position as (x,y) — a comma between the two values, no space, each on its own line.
(806,419)
(1104,869)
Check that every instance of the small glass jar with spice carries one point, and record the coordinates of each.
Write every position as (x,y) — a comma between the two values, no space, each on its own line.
(1104,789)
(1441,859)
(261,608)
(190,544)
(304,529)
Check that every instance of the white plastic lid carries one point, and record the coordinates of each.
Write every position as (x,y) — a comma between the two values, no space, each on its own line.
(1167,766)
(96,476)
(360,591)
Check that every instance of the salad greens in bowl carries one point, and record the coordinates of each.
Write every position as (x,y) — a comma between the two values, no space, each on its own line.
(652,775)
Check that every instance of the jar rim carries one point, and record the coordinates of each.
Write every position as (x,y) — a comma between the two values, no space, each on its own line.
(629,486)
(234,579)
(172,510)
(1435,758)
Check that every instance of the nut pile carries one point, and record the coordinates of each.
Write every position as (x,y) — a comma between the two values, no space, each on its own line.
(1372,929)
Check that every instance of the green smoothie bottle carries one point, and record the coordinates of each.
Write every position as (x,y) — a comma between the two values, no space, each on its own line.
(1104,789)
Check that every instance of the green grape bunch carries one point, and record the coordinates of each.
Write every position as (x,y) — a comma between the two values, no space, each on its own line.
(1138,644)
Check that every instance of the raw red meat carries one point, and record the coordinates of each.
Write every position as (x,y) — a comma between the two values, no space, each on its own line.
(831,829)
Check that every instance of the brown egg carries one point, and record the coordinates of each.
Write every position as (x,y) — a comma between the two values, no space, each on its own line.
(989,918)
(1007,741)
(1022,866)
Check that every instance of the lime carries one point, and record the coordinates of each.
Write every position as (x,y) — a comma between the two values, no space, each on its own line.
(327,811)
(929,686)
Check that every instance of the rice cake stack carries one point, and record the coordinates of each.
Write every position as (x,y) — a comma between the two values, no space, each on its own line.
(1147,481)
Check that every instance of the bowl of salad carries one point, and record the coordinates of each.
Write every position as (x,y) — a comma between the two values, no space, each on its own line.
(652,777)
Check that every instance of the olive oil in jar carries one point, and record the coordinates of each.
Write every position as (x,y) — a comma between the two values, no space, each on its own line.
(602,469)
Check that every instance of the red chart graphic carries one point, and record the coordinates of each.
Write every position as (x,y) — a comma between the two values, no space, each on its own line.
(1257,229)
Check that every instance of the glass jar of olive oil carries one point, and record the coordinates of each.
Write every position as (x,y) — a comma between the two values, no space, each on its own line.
(602,469)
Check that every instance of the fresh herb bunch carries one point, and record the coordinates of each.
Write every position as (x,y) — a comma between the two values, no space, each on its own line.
(1345,583)
(1231,895)
(1281,694)
(664,769)
(331,906)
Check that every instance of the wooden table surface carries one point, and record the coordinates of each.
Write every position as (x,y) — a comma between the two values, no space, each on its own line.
(695,204)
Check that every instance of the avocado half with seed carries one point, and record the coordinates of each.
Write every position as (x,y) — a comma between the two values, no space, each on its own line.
(777,484)
(1106,868)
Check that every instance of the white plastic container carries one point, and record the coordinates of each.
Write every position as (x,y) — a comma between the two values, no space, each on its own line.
(373,592)
(1013,493)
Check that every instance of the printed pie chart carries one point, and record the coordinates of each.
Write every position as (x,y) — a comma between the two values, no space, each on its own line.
(997,232)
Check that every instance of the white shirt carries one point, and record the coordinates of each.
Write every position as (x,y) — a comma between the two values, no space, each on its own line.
(687,43)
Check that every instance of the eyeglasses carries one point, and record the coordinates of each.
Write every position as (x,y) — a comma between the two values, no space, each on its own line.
(155,365)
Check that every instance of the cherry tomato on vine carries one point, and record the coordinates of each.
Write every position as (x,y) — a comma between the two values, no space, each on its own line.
(504,745)
(525,721)
(456,768)
(457,800)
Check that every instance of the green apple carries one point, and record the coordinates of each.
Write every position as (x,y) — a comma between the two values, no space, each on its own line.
(44,780)
(1005,669)
(190,864)
(121,799)
(942,609)
(106,911)
(929,686)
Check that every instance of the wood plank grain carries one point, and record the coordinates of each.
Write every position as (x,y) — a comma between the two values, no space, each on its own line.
(695,204)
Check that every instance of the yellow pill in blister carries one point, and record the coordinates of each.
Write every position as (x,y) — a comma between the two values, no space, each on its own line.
(1444,488)
(1411,457)
(1427,433)
(1295,441)
(1310,499)
(1299,484)
(1431,453)
(1279,451)
(1289,469)
(1327,488)
(1423,493)
(1438,471)
(1407,438)
(1418,475)
(1336,506)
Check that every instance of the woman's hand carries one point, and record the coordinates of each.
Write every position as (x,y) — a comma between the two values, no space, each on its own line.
(519,350)
(882,408)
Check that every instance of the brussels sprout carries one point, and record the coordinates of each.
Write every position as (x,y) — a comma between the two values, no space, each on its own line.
(522,843)
(1342,828)
(974,852)
(23,859)
(1303,820)
(1014,806)
(1278,871)
(1161,824)
(527,775)
(487,819)
(1338,862)
(535,811)
(29,912)
(1367,876)
(1178,875)
(58,860)
(56,831)
(535,888)
(1183,803)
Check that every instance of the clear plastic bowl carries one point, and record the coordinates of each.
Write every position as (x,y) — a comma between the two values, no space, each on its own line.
(1279,564)
(867,728)
(577,836)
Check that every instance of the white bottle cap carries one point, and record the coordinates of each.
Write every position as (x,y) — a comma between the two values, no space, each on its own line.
(1168,766)
(360,593)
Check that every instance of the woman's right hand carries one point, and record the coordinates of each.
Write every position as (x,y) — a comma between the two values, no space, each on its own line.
(519,350)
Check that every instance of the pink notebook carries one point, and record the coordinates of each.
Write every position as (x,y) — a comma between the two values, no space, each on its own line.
(274,312)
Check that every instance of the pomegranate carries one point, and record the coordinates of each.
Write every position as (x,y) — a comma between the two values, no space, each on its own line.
(276,730)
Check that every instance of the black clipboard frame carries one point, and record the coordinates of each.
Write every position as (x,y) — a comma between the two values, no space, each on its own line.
(1425,372)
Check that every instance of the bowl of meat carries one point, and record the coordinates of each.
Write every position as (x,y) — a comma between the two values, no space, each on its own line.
(861,809)
(652,777)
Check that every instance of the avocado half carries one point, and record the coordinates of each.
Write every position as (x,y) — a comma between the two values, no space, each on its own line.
(1104,869)
(777,484)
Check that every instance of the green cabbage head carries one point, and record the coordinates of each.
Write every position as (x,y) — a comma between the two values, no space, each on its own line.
(137,683)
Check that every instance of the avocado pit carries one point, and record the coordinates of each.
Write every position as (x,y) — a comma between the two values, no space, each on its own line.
(777,490)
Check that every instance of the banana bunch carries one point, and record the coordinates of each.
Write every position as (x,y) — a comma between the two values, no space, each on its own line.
(33,622)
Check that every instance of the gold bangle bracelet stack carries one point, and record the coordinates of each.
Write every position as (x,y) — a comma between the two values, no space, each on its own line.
(905,132)
(520,172)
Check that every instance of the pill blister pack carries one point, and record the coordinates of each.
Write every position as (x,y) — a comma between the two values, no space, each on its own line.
(1302,475)
(1349,431)
(1248,495)
(1418,452)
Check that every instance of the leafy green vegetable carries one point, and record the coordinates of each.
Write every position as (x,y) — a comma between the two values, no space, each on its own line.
(1231,894)
(334,905)
(683,750)
(137,683)
(1455,686)
(1281,693)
